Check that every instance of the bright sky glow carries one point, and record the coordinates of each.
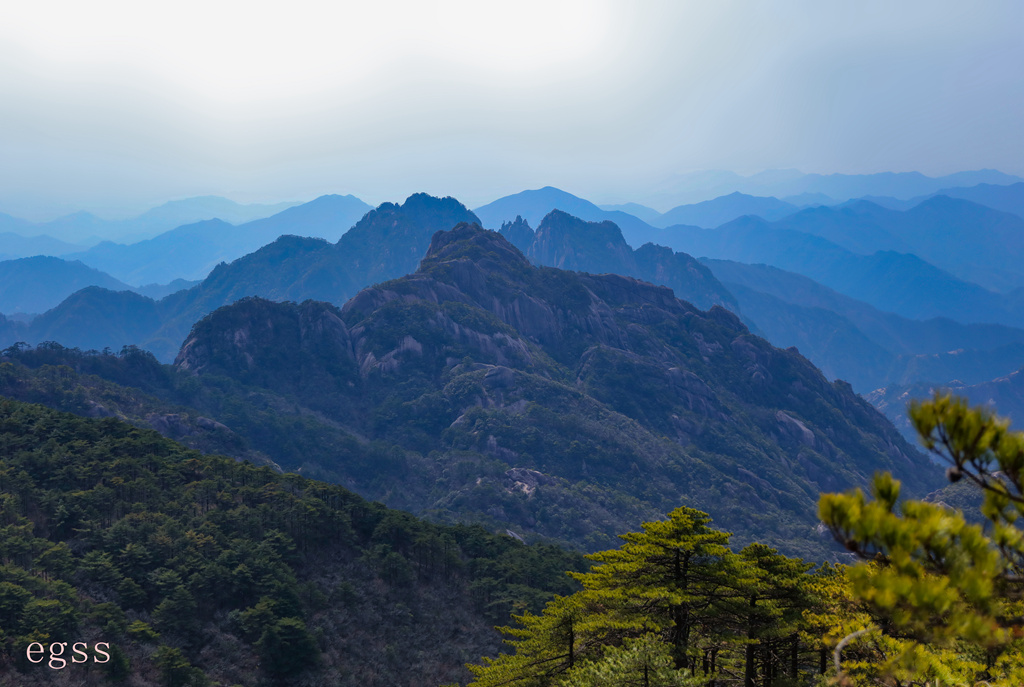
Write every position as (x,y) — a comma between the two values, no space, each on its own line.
(120,105)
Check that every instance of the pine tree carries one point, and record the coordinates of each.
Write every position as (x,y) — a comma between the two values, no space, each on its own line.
(953,589)
(672,606)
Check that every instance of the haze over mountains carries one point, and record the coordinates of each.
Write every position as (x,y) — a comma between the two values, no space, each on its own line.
(794,186)
(83,228)
(873,295)
(517,395)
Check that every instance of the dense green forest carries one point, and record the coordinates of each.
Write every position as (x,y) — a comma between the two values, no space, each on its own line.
(200,569)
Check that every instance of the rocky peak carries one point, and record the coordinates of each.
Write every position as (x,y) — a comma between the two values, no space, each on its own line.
(569,243)
(518,233)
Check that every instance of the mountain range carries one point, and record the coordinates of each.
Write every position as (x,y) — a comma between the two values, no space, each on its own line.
(891,281)
(84,228)
(851,340)
(553,403)
(387,242)
(192,250)
(800,188)
(533,206)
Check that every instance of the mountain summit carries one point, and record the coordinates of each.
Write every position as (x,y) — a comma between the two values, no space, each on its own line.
(560,404)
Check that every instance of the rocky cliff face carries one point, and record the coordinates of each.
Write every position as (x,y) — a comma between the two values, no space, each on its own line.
(617,399)
(569,243)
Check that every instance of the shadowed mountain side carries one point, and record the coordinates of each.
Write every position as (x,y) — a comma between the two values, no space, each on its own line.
(893,282)
(829,340)
(96,318)
(562,404)
(566,242)
(36,284)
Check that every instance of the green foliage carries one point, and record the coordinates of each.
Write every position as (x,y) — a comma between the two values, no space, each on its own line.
(950,587)
(188,550)
(644,662)
(672,606)
(286,648)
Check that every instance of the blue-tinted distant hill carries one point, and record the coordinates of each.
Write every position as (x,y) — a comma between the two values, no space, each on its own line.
(1003,198)
(649,215)
(894,282)
(36,284)
(570,243)
(191,251)
(175,213)
(784,183)
(973,242)
(87,229)
(849,339)
(712,213)
(13,245)
(387,242)
(533,206)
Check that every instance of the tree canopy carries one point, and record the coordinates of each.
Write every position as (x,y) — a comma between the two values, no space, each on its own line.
(945,593)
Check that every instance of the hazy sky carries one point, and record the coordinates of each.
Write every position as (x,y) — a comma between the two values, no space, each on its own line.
(107,105)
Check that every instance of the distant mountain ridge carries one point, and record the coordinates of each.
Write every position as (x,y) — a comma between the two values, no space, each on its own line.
(192,250)
(36,284)
(534,205)
(971,241)
(713,213)
(695,187)
(86,228)
(567,242)
(851,340)
(891,281)
(386,243)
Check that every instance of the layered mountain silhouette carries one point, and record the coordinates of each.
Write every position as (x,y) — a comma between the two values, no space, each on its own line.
(1003,197)
(36,284)
(192,250)
(571,243)
(87,229)
(892,281)
(712,213)
(554,403)
(533,206)
(388,242)
(14,245)
(802,189)
(848,339)
(973,242)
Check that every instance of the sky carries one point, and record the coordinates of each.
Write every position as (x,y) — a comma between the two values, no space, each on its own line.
(115,107)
